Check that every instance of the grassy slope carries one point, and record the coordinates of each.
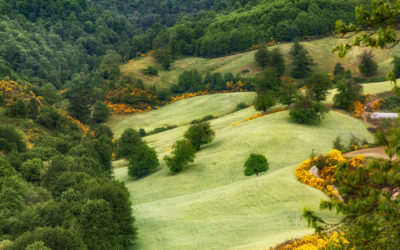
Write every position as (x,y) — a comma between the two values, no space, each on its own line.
(187,110)
(213,205)
(320,50)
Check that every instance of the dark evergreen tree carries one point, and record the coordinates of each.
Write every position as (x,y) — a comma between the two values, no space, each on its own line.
(301,61)
(318,85)
(396,66)
(101,112)
(368,66)
(143,162)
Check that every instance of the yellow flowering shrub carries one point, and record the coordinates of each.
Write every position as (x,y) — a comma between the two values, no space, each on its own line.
(358,109)
(314,242)
(11,89)
(326,172)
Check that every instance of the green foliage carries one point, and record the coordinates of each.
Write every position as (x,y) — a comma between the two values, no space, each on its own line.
(183,153)
(301,61)
(101,112)
(368,67)
(199,134)
(338,70)
(49,118)
(11,140)
(151,71)
(380,16)
(241,105)
(118,197)
(396,67)
(53,238)
(161,129)
(348,93)
(1,99)
(210,117)
(337,144)
(255,164)
(96,225)
(49,93)
(37,245)
(30,170)
(189,81)
(287,92)
(306,111)
(143,162)
(18,109)
(269,80)
(128,143)
(262,56)
(264,101)
(265,59)
(79,100)
(318,85)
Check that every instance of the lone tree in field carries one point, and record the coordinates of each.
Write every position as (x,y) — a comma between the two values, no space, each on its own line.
(368,66)
(255,164)
(128,143)
(143,162)
(184,152)
(200,134)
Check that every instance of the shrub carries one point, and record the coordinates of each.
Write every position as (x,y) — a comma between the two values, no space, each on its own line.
(337,144)
(200,134)
(161,129)
(241,105)
(255,164)
(151,71)
(143,162)
(142,132)
(184,152)
(204,119)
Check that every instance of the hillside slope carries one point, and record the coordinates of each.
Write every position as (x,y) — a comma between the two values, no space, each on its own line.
(213,205)
(320,50)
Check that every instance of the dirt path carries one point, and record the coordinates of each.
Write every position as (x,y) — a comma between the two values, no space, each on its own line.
(378,152)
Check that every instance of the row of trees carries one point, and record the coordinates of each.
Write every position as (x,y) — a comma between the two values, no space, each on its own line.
(184,150)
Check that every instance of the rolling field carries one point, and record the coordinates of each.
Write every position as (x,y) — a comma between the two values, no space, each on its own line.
(320,50)
(212,205)
(187,110)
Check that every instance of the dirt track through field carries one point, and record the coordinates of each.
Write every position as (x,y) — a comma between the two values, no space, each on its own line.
(378,152)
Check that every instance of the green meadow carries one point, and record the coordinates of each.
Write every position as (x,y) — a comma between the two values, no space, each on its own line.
(212,205)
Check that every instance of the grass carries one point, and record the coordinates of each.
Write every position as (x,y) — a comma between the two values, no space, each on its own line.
(182,112)
(320,51)
(212,205)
